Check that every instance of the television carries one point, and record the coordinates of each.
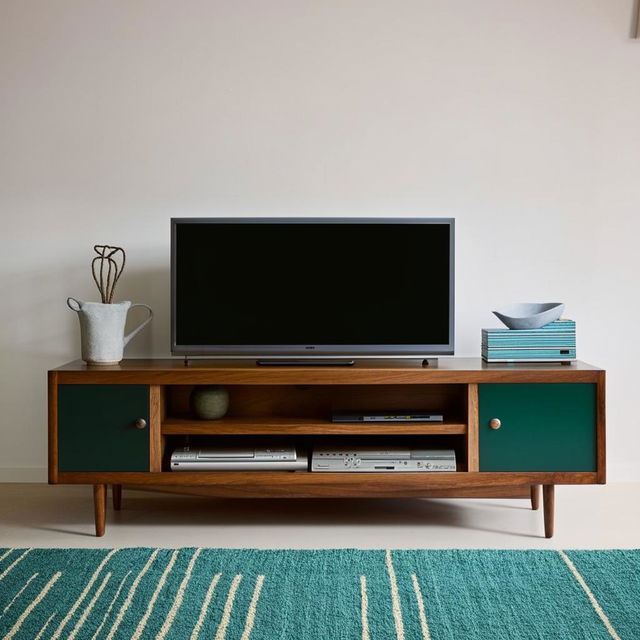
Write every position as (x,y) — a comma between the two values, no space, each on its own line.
(312,287)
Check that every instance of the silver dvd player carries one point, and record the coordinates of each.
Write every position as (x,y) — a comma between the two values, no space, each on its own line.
(380,460)
(235,458)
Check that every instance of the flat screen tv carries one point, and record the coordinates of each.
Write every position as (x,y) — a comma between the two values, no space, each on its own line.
(312,287)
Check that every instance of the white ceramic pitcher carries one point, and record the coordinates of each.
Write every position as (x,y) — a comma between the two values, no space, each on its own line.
(102,329)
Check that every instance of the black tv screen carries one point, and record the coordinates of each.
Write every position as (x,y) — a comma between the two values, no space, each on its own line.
(309,287)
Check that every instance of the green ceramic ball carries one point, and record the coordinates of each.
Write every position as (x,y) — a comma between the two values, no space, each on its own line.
(209,402)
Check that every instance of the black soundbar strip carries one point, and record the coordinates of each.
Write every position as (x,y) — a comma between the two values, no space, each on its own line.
(301,362)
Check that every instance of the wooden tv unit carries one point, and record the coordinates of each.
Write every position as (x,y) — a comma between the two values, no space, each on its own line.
(514,427)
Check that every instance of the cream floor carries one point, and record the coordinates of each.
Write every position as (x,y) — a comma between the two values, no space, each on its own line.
(39,515)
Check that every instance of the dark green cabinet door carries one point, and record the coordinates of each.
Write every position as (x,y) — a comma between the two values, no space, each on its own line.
(545,427)
(96,427)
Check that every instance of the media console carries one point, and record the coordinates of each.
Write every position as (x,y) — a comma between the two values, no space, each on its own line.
(514,427)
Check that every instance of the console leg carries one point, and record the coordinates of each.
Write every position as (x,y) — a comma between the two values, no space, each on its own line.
(116,494)
(100,507)
(548,495)
(535,496)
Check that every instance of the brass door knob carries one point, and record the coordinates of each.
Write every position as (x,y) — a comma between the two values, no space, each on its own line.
(495,423)
(140,423)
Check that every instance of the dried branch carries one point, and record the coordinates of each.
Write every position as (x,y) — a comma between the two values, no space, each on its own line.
(107,260)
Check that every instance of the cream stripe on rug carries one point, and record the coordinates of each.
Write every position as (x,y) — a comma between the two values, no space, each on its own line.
(177,601)
(87,611)
(24,586)
(83,595)
(205,606)
(364,608)
(13,564)
(253,606)
(31,607)
(115,598)
(228,607)
(5,554)
(44,626)
(395,597)
(420,601)
(132,590)
(163,578)
(592,598)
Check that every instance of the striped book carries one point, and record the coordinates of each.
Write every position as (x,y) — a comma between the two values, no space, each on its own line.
(499,355)
(555,342)
(560,341)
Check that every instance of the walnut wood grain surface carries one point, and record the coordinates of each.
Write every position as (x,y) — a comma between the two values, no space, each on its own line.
(53,425)
(270,484)
(601,432)
(548,495)
(535,496)
(472,492)
(385,372)
(473,444)
(155,419)
(268,425)
(100,507)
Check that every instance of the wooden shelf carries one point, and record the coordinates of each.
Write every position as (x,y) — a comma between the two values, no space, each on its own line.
(273,425)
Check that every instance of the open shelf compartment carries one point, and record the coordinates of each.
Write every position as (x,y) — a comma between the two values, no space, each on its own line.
(295,410)
(305,444)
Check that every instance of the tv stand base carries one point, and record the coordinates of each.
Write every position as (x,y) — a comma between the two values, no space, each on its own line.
(516,431)
(305,362)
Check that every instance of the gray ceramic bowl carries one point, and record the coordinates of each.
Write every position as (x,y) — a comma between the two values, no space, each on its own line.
(530,315)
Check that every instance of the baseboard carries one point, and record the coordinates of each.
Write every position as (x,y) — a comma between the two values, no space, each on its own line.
(23,474)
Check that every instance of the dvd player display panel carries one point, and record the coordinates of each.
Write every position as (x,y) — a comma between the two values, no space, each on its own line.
(389,460)
(226,453)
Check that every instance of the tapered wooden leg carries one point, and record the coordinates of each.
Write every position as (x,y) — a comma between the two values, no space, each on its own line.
(116,494)
(535,496)
(100,507)
(548,494)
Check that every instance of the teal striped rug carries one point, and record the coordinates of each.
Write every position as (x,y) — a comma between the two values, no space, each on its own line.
(220,594)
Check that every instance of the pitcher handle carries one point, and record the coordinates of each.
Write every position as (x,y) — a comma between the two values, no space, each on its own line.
(139,327)
(74,307)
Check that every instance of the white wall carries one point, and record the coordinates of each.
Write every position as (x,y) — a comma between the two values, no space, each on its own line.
(520,118)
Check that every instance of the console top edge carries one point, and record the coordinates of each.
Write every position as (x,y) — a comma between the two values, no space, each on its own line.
(401,364)
(390,371)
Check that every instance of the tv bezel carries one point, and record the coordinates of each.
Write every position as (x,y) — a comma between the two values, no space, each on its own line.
(315,350)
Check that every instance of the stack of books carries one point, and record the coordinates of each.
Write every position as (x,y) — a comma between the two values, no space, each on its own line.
(555,342)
